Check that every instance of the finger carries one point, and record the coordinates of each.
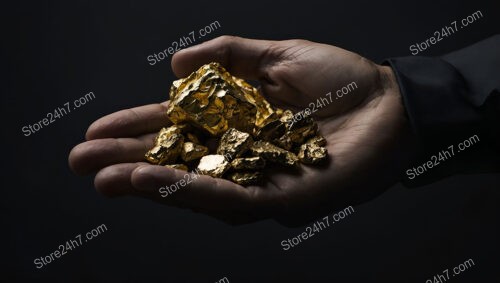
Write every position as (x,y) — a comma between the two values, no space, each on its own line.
(114,180)
(277,98)
(194,191)
(93,155)
(242,57)
(130,122)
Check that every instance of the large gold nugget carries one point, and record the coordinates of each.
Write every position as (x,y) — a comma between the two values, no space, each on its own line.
(214,165)
(248,163)
(213,100)
(311,153)
(264,110)
(167,151)
(245,178)
(234,143)
(273,153)
(191,151)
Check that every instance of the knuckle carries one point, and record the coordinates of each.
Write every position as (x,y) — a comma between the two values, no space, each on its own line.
(227,39)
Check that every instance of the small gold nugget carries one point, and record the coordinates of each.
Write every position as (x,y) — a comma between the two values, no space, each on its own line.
(248,163)
(245,178)
(234,143)
(214,165)
(311,153)
(167,150)
(166,132)
(271,131)
(211,107)
(191,151)
(317,140)
(297,129)
(273,153)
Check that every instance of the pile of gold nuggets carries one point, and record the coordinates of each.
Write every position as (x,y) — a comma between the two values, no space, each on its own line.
(212,105)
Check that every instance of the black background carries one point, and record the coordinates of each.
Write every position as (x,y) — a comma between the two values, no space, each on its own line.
(58,51)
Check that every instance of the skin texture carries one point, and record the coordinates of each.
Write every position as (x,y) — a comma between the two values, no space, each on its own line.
(368,137)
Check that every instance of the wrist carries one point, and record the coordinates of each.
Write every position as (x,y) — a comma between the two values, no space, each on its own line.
(407,145)
(387,80)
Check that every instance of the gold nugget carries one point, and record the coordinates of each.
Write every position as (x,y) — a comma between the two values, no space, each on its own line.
(245,178)
(264,109)
(191,151)
(165,132)
(273,153)
(213,100)
(234,143)
(248,163)
(297,128)
(214,165)
(271,130)
(174,129)
(211,106)
(167,150)
(317,140)
(311,153)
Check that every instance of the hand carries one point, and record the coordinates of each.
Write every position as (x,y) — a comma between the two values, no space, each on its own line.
(368,137)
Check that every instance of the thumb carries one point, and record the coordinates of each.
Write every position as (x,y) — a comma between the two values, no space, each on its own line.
(242,57)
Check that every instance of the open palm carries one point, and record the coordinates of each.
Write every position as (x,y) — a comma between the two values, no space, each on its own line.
(367,135)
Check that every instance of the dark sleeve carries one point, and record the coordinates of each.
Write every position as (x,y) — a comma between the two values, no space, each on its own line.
(451,100)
